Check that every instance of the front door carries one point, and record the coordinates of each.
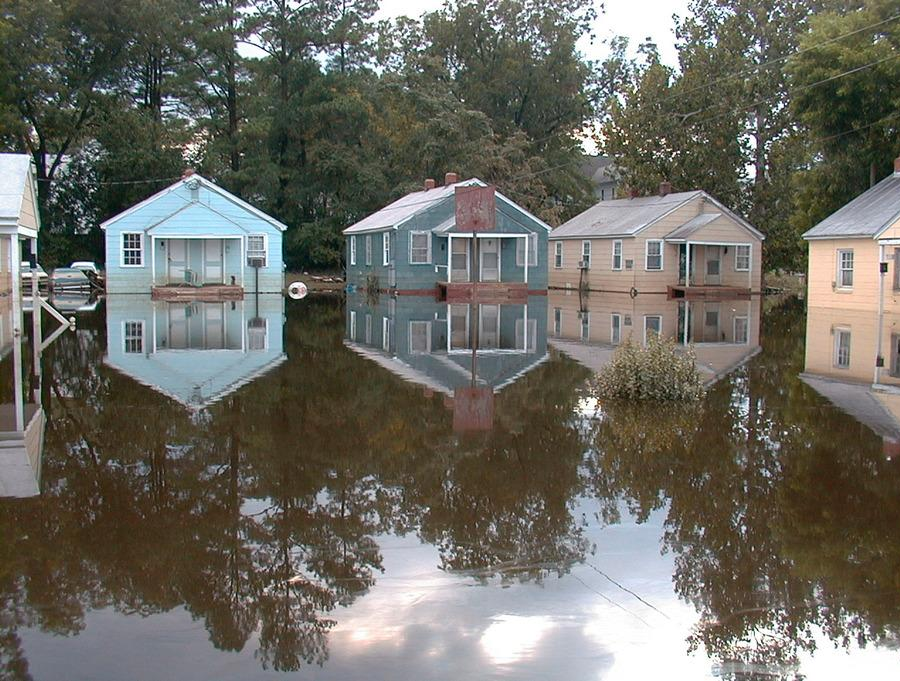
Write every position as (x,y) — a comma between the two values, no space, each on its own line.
(213,261)
(459,260)
(711,323)
(713,265)
(177,253)
(490,259)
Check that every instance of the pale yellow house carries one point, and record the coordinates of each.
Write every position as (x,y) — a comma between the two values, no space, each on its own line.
(648,244)
(853,298)
(19,218)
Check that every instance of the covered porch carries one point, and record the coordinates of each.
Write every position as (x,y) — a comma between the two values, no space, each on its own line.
(708,269)
(198,268)
(486,266)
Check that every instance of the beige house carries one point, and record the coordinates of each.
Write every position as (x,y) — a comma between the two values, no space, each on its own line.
(853,323)
(724,333)
(19,219)
(648,244)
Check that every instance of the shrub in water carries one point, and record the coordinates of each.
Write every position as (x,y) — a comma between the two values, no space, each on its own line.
(656,372)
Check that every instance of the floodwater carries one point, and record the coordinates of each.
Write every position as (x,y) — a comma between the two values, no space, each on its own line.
(344,489)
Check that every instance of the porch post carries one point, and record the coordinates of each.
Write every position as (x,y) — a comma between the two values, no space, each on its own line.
(750,269)
(879,359)
(449,258)
(525,332)
(243,262)
(687,264)
(526,259)
(687,314)
(152,261)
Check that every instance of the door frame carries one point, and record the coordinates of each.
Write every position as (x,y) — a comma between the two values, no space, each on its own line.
(221,278)
(482,251)
(450,268)
(706,260)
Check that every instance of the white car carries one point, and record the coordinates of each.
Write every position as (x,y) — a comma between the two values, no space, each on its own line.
(86,266)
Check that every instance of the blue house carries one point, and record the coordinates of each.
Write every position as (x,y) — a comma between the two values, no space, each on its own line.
(194,352)
(194,240)
(462,240)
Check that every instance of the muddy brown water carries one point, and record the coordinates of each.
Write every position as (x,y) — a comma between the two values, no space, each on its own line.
(326,517)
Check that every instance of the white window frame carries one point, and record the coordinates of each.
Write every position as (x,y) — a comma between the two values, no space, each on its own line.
(368,250)
(617,242)
(251,253)
(386,334)
(613,327)
(532,238)
(386,248)
(838,332)
(427,324)
(734,333)
(586,252)
(652,316)
(122,262)
(126,336)
(352,249)
(558,255)
(353,325)
(526,336)
(427,236)
(737,257)
(841,269)
(662,264)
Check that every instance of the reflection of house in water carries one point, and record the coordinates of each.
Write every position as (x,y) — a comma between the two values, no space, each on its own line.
(841,365)
(466,351)
(724,333)
(194,352)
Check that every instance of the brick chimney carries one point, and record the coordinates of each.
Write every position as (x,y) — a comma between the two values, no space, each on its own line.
(429,184)
(897,165)
(450,178)
(187,173)
(665,188)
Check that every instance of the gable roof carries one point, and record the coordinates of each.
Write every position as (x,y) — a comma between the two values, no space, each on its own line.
(627,217)
(691,226)
(212,186)
(14,171)
(868,215)
(414,203)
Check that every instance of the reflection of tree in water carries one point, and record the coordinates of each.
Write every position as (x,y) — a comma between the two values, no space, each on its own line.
(259,515)
(782,521)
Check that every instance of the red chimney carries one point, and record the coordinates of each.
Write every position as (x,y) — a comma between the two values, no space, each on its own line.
(187,173)
(897,165)
(429,184)
(450,178)
(665,188)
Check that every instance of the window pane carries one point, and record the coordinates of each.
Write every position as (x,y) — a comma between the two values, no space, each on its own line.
(418,253)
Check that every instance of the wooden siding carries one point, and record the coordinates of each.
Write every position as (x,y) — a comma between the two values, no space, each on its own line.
(6,263)
(28,211)
(822,279)
(822,323)
(174,213)
(601,276)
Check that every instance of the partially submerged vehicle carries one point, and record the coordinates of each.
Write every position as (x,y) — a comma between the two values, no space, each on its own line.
(68,279)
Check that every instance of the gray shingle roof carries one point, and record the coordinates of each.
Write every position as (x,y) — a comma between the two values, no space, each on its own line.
(621,217)
(867,215)
(691,226)
(13,175)
(405,207)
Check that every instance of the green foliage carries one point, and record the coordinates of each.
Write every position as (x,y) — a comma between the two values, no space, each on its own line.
(657,372)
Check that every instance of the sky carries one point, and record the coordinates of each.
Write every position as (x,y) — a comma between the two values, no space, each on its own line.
(635,19)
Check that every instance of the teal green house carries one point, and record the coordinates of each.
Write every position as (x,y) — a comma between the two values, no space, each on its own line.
(449,239)
(195,235)
(448,347)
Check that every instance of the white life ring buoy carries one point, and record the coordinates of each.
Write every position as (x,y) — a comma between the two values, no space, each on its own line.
(297,290)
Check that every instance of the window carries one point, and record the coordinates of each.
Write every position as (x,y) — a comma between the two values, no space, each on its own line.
(586,255)
(557,321)
(557,256)
(256,249)
(353,325)
(527,343)
(368,250)
(257,334)
(386,334)
(842,348)
(133,337)
(615,332)
(742,258)
(585,326)
(353,250)
(652,325)
(420,248)
(712,318)
(532,251)
(386,248)
(654,255)
(420,338)
(845,269)
(741,329)
(132,249)
(617,255)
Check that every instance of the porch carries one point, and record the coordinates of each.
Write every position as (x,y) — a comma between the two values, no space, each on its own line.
(710,269)
(193,267)
(209,293)
(482,292)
